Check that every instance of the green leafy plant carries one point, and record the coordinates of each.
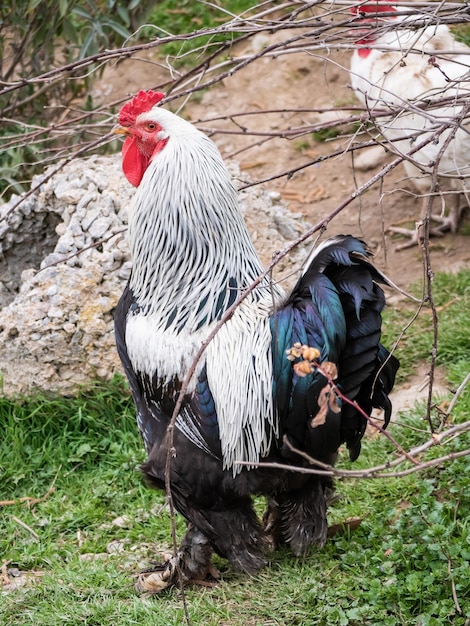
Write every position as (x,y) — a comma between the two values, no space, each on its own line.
(36,36)
(190,16)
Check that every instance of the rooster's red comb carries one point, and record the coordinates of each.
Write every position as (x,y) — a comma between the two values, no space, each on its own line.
(141,103)
(372,7)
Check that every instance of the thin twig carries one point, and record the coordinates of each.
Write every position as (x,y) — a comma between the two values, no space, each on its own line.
(29,500)
(25,526)
(360,410)
(95,244)
(366,473)
(383,470)
(458,392)
(53,171)
(453,588)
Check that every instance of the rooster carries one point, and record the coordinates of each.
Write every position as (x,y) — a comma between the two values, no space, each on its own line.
(405,66)
(247,401)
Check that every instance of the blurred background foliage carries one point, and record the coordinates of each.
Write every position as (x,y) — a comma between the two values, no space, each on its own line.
(42,119)
(37,36)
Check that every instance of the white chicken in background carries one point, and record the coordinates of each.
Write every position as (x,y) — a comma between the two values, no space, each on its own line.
(403,65)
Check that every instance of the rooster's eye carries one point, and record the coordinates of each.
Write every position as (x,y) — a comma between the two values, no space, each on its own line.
(151,126)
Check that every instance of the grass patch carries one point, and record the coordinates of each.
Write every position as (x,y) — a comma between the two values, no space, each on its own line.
(190,16)
(80,545)
(84,543)
(451,294)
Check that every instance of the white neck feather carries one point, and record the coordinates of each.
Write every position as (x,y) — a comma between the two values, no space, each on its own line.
(187,234)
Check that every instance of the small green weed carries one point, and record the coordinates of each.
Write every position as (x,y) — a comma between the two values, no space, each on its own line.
(462,33)
(188,17)
(324,134)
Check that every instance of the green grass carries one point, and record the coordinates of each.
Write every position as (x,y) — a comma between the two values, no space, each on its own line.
(451,295)
(407,563)
(190,16)
(462,33)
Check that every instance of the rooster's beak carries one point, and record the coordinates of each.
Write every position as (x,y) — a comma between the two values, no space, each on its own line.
(120,130)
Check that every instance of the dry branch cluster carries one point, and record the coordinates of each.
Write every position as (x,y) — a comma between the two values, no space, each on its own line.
(273,30)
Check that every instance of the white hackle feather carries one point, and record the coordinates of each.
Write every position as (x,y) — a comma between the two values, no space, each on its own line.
(239,371)
(188,239)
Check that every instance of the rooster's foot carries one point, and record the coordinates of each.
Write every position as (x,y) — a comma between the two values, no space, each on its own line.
(167,574)
(190,565)
(415,235)
(412,234)
(447,223)
(157,579)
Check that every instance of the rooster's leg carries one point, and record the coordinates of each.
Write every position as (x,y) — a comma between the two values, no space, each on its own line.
(450,222)
(236,534)
(446,223)
(192,563)
(298,518)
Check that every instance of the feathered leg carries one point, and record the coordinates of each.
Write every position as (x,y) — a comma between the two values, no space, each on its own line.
(233,530)
(219,512)
(234,534)
(240,538)
(227,524)
(298,518)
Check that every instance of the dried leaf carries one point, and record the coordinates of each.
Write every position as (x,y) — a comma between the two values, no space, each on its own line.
(348,524)
(303,368)
(330,369)
(320,417)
